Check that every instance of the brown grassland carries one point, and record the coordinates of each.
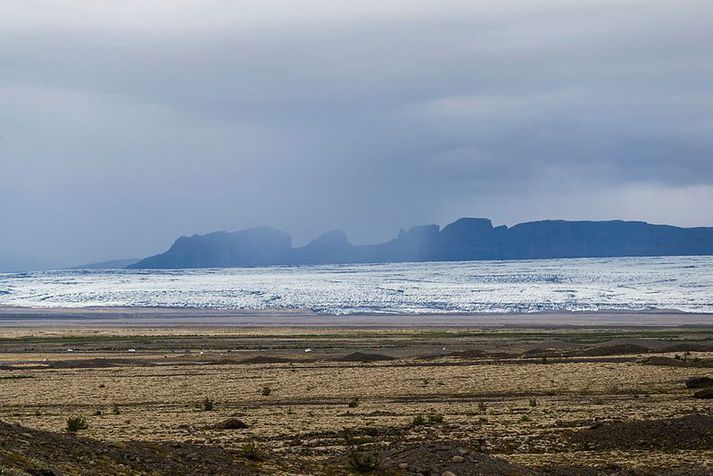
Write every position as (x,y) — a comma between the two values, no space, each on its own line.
(362,400)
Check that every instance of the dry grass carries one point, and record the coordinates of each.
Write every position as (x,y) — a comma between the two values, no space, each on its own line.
(514,409)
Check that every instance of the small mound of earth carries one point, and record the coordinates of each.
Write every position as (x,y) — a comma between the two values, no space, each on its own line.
(671,362)
(468,354)
(687,347)
(706,393)
(94,363)
(231,424)
(603,350)
(266,359)
(501,355)
(617,470)
(363,357)
(544,352)
(699,382)
(430,459)
(550,348)
(37,452)
(688,432)
(577,470)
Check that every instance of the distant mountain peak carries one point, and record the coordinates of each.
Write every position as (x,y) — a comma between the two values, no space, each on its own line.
(464,239)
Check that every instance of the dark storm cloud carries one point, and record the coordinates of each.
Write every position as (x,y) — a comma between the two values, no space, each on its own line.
(124,125)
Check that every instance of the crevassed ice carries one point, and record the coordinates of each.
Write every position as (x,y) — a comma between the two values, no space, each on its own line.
(679,283)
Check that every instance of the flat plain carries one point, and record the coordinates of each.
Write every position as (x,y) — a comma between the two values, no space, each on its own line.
(349,400)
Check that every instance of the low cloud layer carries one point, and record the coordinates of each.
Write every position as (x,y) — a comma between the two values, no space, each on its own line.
(126,124)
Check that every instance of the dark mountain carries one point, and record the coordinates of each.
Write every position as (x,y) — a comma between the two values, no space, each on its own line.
(332,247)
(254,247)
(464,240)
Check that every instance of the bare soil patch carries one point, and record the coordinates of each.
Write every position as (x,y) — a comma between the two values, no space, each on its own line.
(431,459)
(38,452)
(365,357)
(688,432)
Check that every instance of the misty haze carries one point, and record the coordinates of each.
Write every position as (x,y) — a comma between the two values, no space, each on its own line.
(125,126)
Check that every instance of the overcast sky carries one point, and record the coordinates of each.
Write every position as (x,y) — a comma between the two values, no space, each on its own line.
(125,124)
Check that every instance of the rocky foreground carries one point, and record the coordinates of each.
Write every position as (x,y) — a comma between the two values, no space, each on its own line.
(361,401)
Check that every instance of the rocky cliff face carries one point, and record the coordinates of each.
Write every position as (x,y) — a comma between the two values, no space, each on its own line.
(463,240)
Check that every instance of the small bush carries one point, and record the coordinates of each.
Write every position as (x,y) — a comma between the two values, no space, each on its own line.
(116,410)
(266,391)
(363,461)
(482,407)
(435,418)
(252,451)
(208,404)
(533,402)
(354,402)
(525,418)
(431,419)
(74,424)
(418,420)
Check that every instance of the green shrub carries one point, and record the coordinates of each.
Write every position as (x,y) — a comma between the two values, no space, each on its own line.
(266,391)
(418,420)
(430,419)
(74,424)
(252,451)
(435,418)
(208,404)
(354,402)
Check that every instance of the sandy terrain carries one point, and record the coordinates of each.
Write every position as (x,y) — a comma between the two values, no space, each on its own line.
(470,400)
(186,317)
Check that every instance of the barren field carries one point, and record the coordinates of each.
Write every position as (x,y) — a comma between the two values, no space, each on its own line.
(343,401)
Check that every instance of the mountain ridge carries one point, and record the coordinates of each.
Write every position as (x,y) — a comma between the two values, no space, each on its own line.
(466,239)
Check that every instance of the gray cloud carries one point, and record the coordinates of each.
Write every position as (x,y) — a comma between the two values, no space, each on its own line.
(125,125)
